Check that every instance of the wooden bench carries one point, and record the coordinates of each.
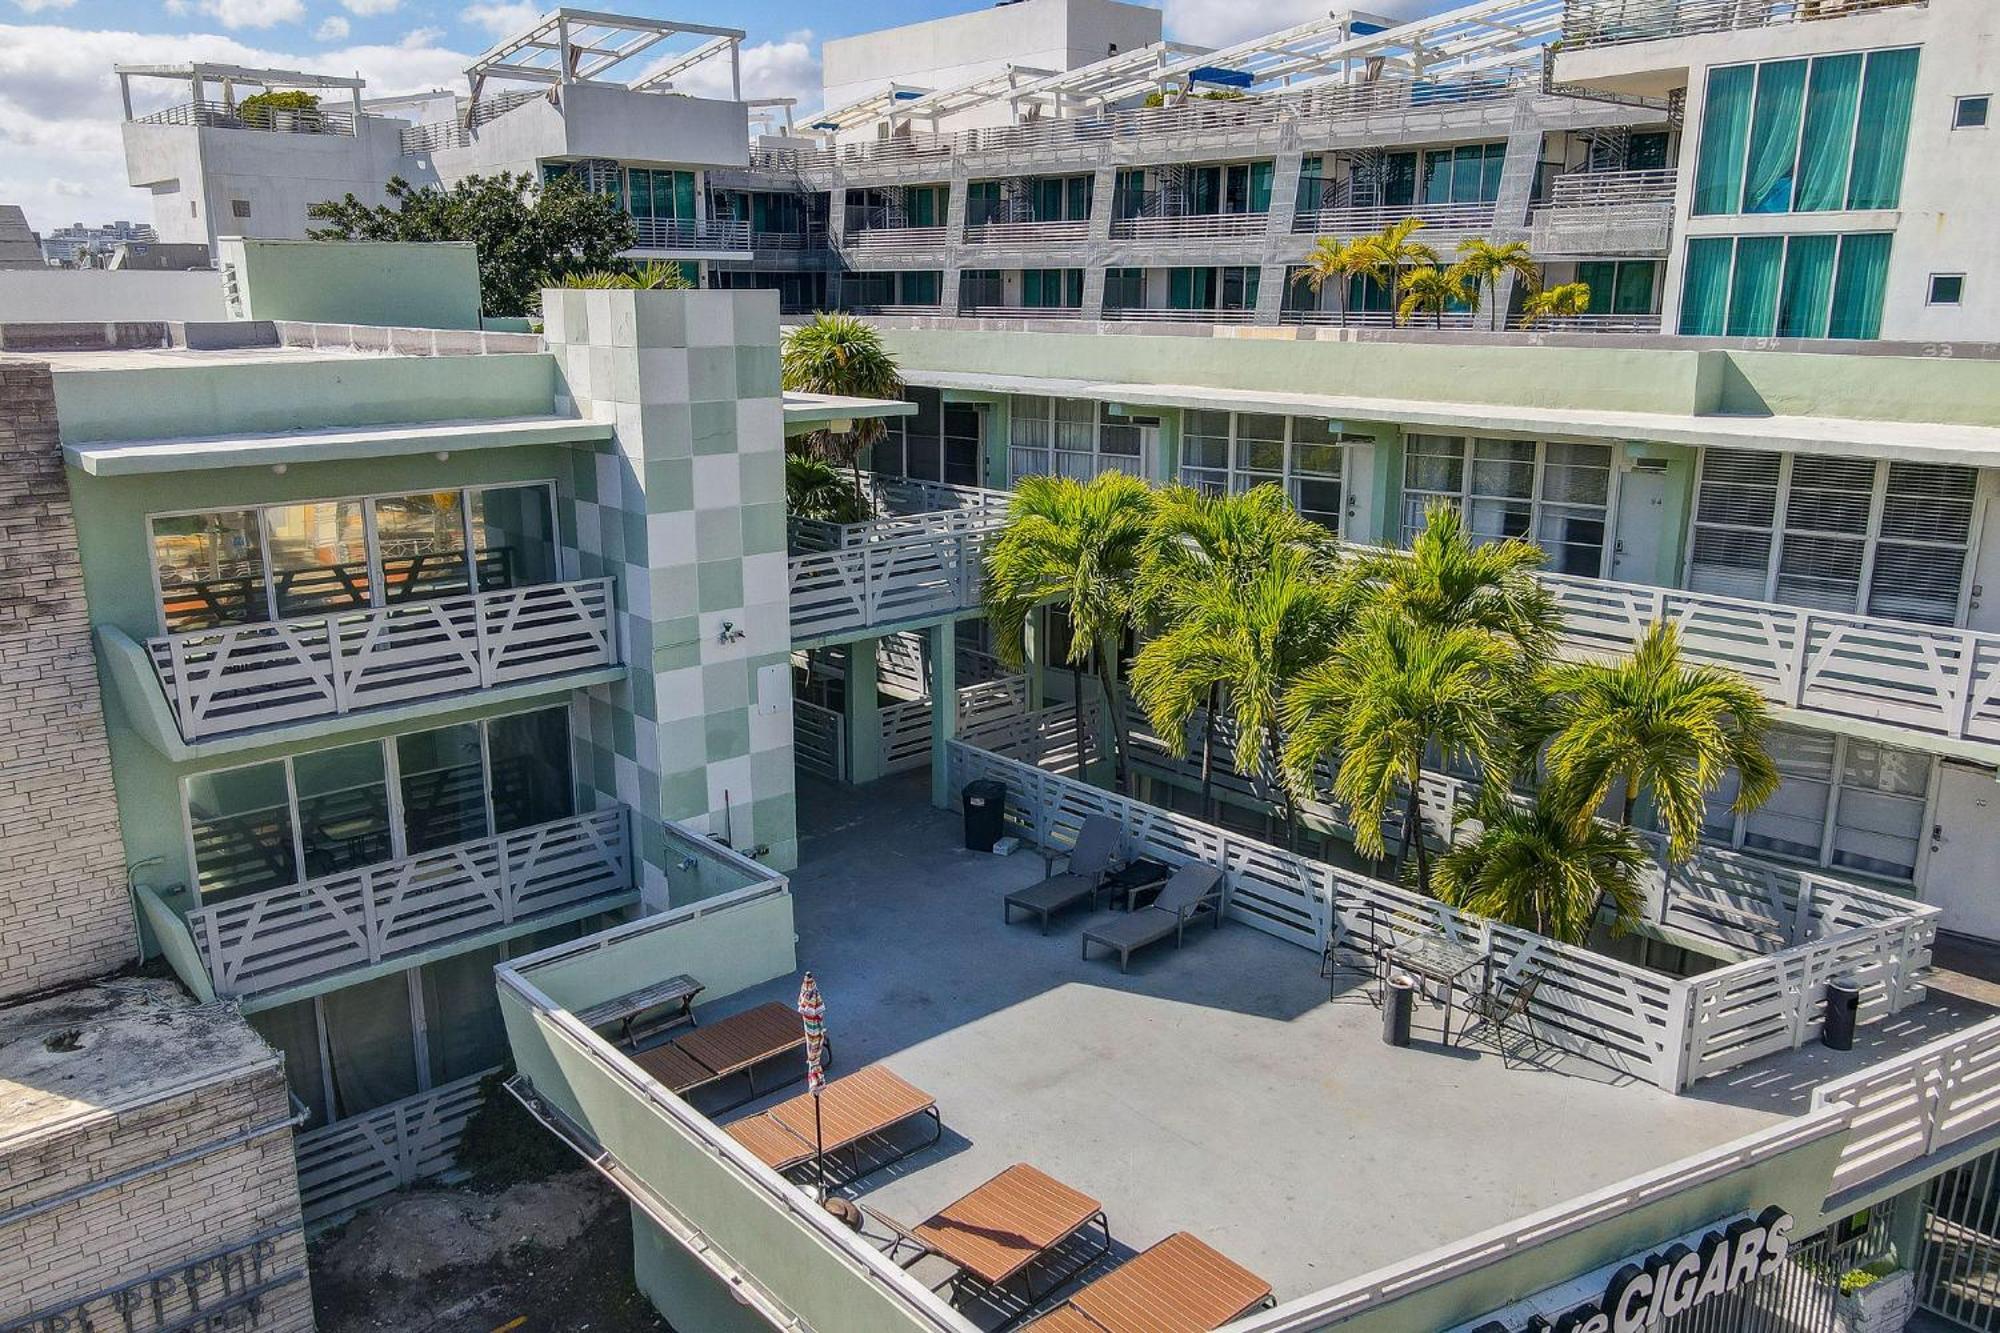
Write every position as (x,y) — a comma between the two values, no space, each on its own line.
(676,994)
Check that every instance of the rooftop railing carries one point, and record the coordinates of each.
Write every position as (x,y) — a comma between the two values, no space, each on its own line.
(457,132)
(273,120)
(1905,1109)
(1613,22)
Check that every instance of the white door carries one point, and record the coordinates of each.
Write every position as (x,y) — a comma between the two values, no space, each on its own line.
(1982,612)
(1965,846)
(1642,518)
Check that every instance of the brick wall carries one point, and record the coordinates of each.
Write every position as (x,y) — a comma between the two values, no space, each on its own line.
(135,1212)
(64,912)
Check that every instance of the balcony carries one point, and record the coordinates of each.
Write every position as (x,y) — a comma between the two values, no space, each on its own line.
(232,679)
(1175,315)
(1614,22)
(1021,311)
(1592,213)
(279,938)
(1188,229)
(1053,237)
(881,242)
(270,120)
(705,236)
(1442,222)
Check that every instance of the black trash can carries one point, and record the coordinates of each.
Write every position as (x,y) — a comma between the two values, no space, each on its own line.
(1399,995)
(1843,1006)
(985,813)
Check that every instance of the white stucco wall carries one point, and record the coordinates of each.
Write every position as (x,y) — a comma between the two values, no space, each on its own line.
(608,121)
(52,295)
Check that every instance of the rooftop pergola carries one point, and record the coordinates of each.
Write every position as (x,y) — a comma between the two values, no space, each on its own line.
(567,46)
(198,75)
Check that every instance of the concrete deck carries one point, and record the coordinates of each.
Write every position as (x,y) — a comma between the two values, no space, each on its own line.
(1215,1089)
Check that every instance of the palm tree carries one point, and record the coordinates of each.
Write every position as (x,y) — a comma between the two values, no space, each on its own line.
(1249,639)
(815,488)
(1332,261)
(1652,723)
(1433,289)
(1386,254)
(1485,263)
(1446,580)
(1563,301)
(1392,689)
(1076,545)
(841,355)
(1537,869)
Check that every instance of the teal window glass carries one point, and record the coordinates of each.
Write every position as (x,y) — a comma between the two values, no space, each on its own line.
(1437,177)
(1207,190)
(1886,89)
(1753,286)
(1808,287)
(1774,137)
(982,202)
(1399,179)
(1860,277)
(1832,95)
(1128,194)
(1725,134)
(921,287)
(1466,170)
(1600,276)
(1077,197)
(1705,285)
(1494,158)
(684,195)
(1632,294)
(1124,289)
(1260,187)
(1367,294)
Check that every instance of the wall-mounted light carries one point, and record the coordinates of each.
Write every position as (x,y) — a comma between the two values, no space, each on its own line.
(729,634)
(841,425)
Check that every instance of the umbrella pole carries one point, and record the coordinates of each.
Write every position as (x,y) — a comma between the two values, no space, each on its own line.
(819,1150)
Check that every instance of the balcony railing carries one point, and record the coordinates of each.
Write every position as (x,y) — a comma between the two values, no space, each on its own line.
(1905,1109)
(1353,220)
(1611,22)
(1603,230)
(379,1152)
(875,240)
(841,593)
(1063,234)
(889,308)
(1190,227)
(691,234)
(1022,311)
(458,133)
(812,239)
(1168,315)
(1595,189)
(274,120)
(287,936)
(237,677)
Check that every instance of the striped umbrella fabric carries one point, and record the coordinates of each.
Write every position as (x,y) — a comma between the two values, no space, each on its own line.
(812,1010)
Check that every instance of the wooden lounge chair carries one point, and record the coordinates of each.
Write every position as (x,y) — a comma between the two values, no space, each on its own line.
(1000,1230)
(1196,888)
(1177,1286)
(737,1044)
(855,1115)
(1090,858)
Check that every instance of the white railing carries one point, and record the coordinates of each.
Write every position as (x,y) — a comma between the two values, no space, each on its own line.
(844,592)
(1596,324)
(1021,312)
(1191,228)
(1923,677)
(1611,22)
(1163,315)
(1916,1104)
(1595,189)
(242,676)
(819,740)
(271,120)
(1058,235)
(281,937)
(877,239)
(691,234)
(456,133)
(1045,738)
(1602,229)
(1383,319)
(363,1157)
(809,535)
(979,707)
(1362,221)
(889,308)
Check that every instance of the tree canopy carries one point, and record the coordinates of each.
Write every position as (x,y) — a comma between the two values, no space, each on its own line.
(529,235)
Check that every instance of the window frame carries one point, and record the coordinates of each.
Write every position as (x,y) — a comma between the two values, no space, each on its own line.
(1235,479)
(1537,502)
(1931,286)
(1052,450)
(370,535)
(1735,240)
(1984,101)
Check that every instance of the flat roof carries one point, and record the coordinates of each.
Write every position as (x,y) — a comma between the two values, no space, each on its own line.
(1925,441)
(126,458)
(812,409)
(102,1048)
(1217,1088)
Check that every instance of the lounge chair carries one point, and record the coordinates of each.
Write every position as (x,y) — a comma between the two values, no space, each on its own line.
(1177,1286)
(1002,1229)
(1196,888)
(1090,858)
(737,1044)
(855,1115)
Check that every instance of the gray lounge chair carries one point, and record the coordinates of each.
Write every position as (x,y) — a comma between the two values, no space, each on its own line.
(1090,858)
(1195,889)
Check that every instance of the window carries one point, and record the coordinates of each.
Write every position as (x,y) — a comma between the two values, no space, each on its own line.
(1946,289)
(1887,539)
(1805,135)
(1969,113)
(1556,494)
(1234,451)
(1052,288)
(239,208)
(979,287)
(1841,802)
(1820,286)
(660,196)
(939,443)
(328,812)
(1625,287)
(1469,174)
(1125,289)
(323,557)
(1070,437)
(1231,288)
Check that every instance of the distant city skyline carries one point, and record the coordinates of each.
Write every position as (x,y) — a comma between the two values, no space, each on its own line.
(60,154)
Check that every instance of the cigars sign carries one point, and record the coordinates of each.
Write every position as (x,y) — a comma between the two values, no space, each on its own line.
(1675,1280)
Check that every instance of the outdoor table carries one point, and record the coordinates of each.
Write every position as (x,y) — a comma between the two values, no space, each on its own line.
(1129,881)
(1443,961)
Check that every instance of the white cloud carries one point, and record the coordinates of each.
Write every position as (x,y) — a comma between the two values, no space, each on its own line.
(416,39)
(254,13)
(1222,22)
(370,6)
(61,152)
(38,6)
(502,17)
(332,29)
(789,68)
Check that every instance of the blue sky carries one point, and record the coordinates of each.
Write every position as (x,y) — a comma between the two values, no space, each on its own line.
(60,156)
